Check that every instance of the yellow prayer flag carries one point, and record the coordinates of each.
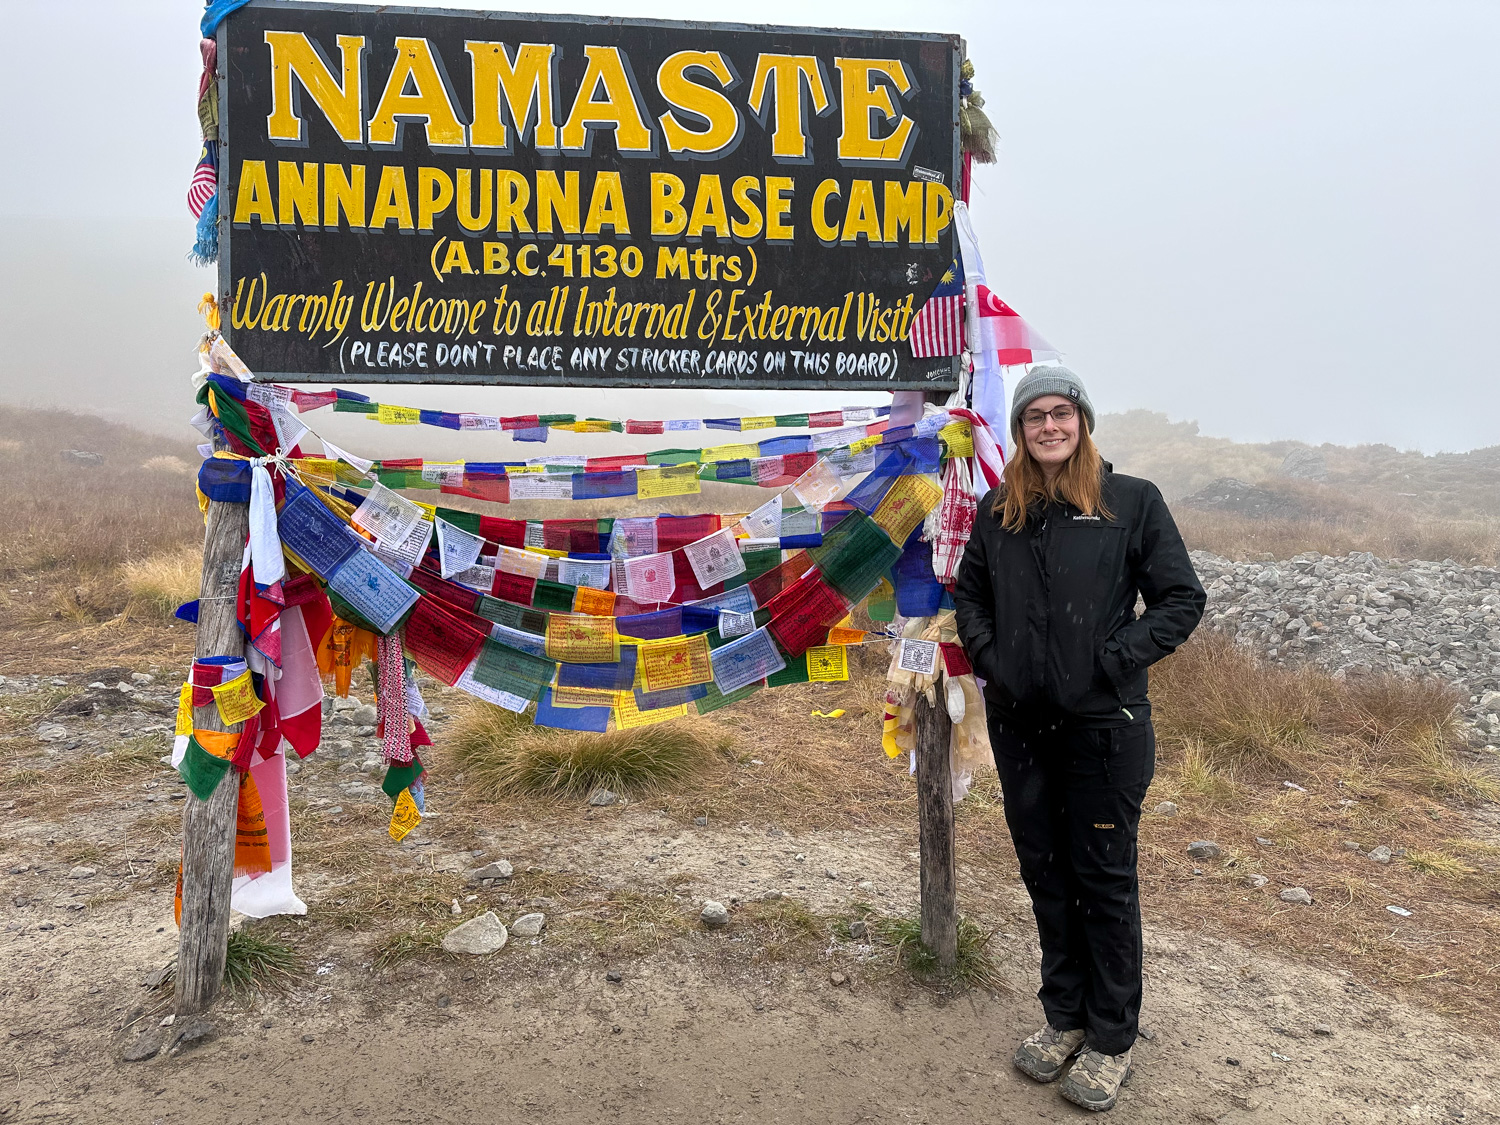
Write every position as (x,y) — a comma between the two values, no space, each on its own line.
(827,663)
(907,503)
(388,415)
(324,468)
(580,638)
(674,662)
(959,438)
(730,453)
(237,700)
(587,697)
(667,480)
(759,422)
(429,511)
(587,426)
(184,725)
(219,743)
(404,817)
(628,716)
(865,443)
(840,635)
(517,470)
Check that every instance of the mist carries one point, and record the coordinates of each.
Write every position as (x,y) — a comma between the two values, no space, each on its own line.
(1276,219)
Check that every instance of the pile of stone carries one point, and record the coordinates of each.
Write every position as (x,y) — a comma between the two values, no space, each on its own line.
(1359,614)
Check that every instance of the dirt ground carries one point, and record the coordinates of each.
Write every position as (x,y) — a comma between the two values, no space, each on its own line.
(779,1017)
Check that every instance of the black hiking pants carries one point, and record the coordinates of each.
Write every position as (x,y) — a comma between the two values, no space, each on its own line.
(1073,803)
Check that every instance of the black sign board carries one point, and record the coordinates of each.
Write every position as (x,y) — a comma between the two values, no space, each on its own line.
(431,196)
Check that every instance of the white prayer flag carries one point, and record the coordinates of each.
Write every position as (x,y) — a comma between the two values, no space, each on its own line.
(457,549)
(387,516)
(765,521)
(714,558)
(816,487)
(649,578)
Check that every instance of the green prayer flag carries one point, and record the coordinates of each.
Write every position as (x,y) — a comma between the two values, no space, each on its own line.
(554,596)
(795,672)
(507,669)
(464,521)
(201,770)
(673,456)
(792,421)
(855,555)
(512,616)
(232,417)
(556,419)
(716,699)
(757,562)
(399,777)
(349,406)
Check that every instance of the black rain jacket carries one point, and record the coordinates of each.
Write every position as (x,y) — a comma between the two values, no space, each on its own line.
(1047,614)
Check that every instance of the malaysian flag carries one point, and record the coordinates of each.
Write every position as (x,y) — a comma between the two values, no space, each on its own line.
(205,180)
(938,329)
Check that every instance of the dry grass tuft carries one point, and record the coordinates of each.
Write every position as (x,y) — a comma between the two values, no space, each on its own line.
(166,463)
(159,583)
(974,968)
(503,755)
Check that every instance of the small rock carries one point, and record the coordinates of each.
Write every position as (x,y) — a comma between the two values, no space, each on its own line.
(456,910)
(801,858)
(528,925)
(1166,808)
(613,976)
(1298,895)
(857,930)
(1147,1034)
(867,886)
(47,926)
(478,936)
(1232,1061)
(1380,854)
(1204,849)
(365,716)
(444,1000)
(1351,846)
(831,872)
(714,915)
(1263,842)
(468,975)
(1322,1029)
(600,798)
(500,869)
(1255,882)
(51,732)
(169,1020)
(308,1038)
(701,821)
(146,1046)
(142,678)
(837,979)
(194,1033)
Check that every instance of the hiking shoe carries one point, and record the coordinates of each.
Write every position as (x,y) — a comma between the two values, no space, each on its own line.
(1095,1080)
(1044,1055)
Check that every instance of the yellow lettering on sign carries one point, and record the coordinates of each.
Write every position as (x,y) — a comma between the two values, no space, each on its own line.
(865,91)
(295,60)
(252,197)
(674,82)
(432,101)
(619,109)
(506,88)
(782,78)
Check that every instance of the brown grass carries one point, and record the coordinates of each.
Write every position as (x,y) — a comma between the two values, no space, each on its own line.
(159,583)
(503,755)
(1388,535)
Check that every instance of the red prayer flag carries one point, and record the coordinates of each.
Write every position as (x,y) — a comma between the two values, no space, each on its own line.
(525,422)
(772,582)
(634,426)
(507,533)
(513,587)
(955,659)
(802,613)
(439,641)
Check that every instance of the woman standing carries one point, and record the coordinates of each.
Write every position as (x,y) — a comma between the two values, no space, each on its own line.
(1046,598)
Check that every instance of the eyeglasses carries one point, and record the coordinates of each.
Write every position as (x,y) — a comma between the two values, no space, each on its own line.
(1035,419)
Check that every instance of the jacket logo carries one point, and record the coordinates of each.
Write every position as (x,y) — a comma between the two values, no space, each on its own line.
(1094,518)
(1104,826)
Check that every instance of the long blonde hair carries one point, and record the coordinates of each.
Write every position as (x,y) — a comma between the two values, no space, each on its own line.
(1080,481)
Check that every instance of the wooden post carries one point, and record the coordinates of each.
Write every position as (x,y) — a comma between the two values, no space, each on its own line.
(208,827)
(935,824)
(935,820)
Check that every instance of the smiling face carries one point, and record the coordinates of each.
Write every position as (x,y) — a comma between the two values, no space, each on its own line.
(1050,442)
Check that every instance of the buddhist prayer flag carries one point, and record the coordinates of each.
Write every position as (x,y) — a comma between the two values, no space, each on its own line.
(582,638)
(674,662)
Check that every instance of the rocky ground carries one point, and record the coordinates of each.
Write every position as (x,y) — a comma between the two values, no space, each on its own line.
(622,1005)
(1359,614)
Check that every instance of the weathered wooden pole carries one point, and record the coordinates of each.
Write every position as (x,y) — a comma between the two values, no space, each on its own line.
(935,825)
(208,827)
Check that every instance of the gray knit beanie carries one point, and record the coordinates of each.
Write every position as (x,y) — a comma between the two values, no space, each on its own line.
(1041,381)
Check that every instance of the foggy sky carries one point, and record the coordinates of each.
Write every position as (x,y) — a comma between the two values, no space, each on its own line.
(1278,219)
